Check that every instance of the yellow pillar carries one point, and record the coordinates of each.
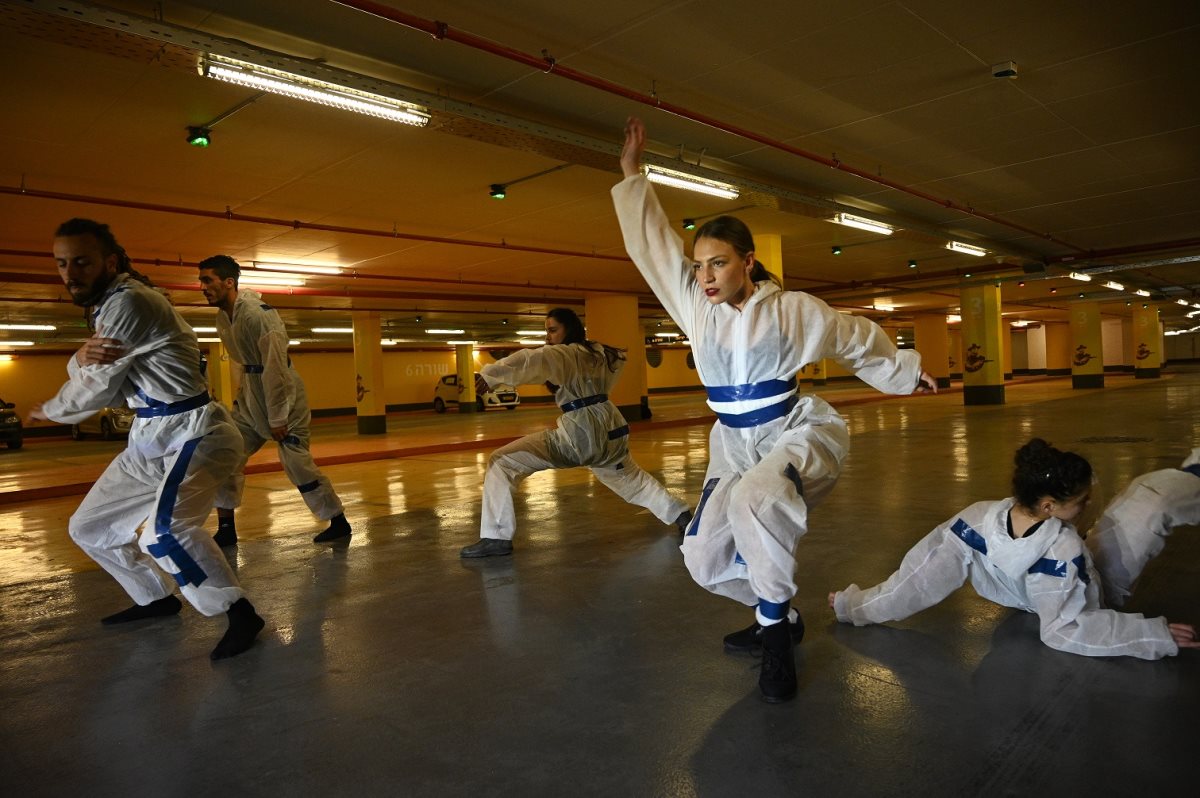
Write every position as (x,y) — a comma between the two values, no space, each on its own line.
(820,372)
(1058,349)
(220,375)
(1006,340)
(464,366)
(1087,346)
(955,359)
(930,335)
(1127,345)
(368,369)
(768,248)
(1147,342)
(613,319)
(983,349)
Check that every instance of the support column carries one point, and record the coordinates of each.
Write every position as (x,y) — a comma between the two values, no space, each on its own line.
(220,375)
(983,349)
(819,372)
(371,405)
(464,366)
(932,340)
(1058,349)
(768,248)
(1087,346)
(1147,342)
(1006,340)
(613,320)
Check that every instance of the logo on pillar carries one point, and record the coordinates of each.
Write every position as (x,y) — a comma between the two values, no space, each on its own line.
(975,358)
(1143,352)
(359,390)
(1082,356)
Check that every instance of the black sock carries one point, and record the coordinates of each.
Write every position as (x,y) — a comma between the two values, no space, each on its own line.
(339,528)
(244,626)
(167,605)
(226,532)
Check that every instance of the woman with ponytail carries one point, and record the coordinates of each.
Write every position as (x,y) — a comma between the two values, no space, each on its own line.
(591,432)
(1021,552)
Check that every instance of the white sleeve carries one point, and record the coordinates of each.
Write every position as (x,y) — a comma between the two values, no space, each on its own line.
(931,570)
(656,249)
(1069,622)
(273,345)
(526,367)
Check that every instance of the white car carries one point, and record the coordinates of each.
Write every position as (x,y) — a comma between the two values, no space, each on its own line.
(448,390)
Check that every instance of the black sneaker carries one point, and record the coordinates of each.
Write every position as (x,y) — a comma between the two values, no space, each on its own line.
(777,679)
(226,536)
(487,547)
(339,528)
(749,640)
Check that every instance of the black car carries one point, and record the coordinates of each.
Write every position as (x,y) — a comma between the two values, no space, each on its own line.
(11,431)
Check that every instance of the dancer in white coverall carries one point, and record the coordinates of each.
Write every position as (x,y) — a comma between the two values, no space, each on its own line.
(773,453)
(1134,526)
(181,446)
(591,432)
(1021,552)
(271,402)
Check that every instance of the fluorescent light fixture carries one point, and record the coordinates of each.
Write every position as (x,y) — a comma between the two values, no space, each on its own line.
(388,341)
(1080,276)
(294,342)
(7,358)
(7,344)
(532,341)
(966,249)
(1183,302)
(445,332)
(208,340)
(461,343)
(669,177)
(531,332)
(276,81)
(1114,285)
(1141,292)
(33,327)
(299,268)
(204,329)
(1019,323)
(253,278)
(870,225)
(667,335)
(884,308)
(951,318)
(346,330)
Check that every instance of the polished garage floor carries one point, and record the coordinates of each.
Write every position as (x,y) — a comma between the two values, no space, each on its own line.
(588,663)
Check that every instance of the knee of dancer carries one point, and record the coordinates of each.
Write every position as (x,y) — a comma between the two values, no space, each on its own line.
(752,495)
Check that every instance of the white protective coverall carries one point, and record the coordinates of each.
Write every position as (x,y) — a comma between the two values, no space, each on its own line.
(591,432)
(181,447)
(1135,525)
(1045,572)
(773,453)
(271,394)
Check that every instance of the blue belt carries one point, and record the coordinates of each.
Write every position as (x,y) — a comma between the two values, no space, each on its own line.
(761,416)
(752,390)
(575,404)
(157,408)
(252,369)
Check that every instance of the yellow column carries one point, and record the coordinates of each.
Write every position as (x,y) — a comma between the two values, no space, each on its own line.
(955,359)
(769,251)
(368,370)
(1127,345)
(1006,340)
(983,349)
(613,320)
(1087,346)
(933,342)
(1058,349)
(220,375)
(464,366)
(1147,342)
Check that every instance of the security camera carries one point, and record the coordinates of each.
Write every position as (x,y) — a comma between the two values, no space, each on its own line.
(1005,69)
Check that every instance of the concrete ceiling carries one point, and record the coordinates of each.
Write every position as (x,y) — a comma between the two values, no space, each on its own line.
(1089,160)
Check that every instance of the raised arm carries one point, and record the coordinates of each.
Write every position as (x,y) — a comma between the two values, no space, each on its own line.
(526,367)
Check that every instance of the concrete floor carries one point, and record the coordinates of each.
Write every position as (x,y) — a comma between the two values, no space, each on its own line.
(589,663)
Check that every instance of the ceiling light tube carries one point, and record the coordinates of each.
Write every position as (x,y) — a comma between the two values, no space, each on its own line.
(251,278)
(666,335)
(208,340)
(884,308)
(6,344)
(870,225)
(301,268)
(966,249)
(530,332)
(1142,292)
(339,330)
(1114,285)
(531,341)
(1080,276)
(29,327)
(1183,302)
(204,329)
(461,343)
(294,342)
(275,81)
(1019,323)
(389,342)
(669,177)
(952,318)
(445,332)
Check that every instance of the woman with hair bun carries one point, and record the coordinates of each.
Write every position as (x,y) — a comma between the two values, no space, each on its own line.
(591,432)
(1021,552)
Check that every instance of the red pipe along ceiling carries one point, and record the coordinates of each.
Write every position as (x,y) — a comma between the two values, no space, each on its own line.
(548,65)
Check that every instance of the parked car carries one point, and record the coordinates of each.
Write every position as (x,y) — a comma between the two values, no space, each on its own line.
(447,391)
(108,424)
(11,431)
